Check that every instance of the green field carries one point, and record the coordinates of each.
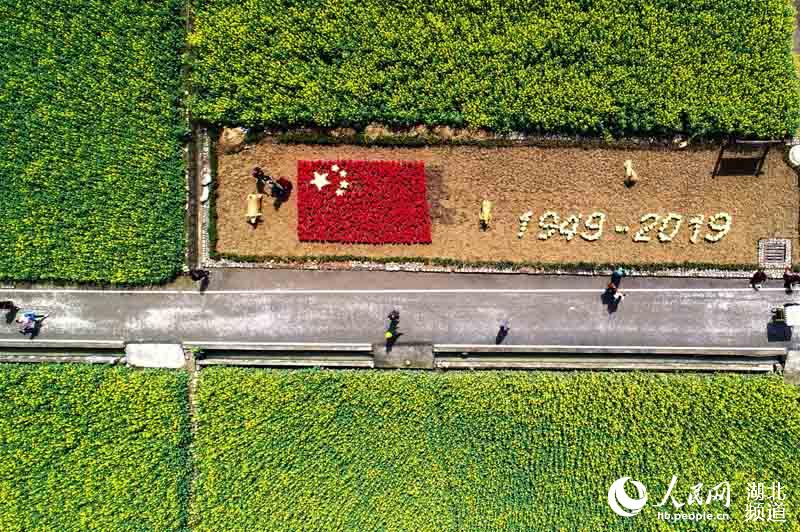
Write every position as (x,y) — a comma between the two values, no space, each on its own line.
(91,175)
(324,450)
(707,67)
(87,448)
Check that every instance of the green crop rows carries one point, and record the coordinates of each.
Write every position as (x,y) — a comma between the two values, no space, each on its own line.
(96,448)
(91,175)
(706,67)
(87,448)
(321,450)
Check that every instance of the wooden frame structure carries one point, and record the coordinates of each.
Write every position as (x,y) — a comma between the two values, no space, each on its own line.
(751,166)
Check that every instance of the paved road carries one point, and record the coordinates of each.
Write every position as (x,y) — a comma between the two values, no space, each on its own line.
(298,306)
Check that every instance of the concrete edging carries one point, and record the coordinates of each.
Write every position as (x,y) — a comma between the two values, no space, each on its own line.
(609,350)
(56,359)
(280,346)
(298,362)
(57,344)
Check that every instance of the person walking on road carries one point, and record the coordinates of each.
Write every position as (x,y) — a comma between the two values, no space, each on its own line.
(201,275)
(617,275)
(758,279)
(394,323)
(30,322)
(505,327)
(614,298)
(391,335)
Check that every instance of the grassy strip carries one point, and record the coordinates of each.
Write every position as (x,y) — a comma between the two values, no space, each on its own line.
(606,67)
(501,265)
(92,184)
(412,138)
(92,448)
(324,450)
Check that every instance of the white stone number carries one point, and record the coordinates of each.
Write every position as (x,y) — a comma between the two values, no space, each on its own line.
(551,223)
(671,217)
(721,228)
(569,227)
(696,223)
(647,226)
(596,226)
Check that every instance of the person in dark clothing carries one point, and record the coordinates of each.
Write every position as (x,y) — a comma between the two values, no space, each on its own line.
(611,289)
(788,280)
(505,327)
(198,274)
(30,322)
(262,179)
(201,275)
(617,275)
(758,279)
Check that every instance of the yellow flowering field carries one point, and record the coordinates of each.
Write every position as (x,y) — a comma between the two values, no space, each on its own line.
(92,448)
(362,450)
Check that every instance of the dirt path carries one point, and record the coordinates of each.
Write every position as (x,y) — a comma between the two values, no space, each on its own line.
(565,180)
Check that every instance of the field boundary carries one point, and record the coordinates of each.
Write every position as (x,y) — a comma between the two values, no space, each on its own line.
(209,257)
(454,357)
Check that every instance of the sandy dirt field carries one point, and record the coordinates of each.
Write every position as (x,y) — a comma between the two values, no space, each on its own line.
(519,179)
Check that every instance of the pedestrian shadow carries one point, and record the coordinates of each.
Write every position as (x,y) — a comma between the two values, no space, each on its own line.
(501,335)
(11,315)
(282,197)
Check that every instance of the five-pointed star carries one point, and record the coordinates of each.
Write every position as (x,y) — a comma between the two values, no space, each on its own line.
(320,180)
(343,184)
(340,192)
(343,173)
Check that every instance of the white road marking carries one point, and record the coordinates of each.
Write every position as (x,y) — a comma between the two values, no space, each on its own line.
(303,291)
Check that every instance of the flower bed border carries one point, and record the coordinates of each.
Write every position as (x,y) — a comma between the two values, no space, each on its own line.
(210,257)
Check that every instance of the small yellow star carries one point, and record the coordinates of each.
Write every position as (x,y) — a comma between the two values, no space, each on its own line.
(340,192)
(343,184)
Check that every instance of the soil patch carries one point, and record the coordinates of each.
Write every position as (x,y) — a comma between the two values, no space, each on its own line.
(519,179)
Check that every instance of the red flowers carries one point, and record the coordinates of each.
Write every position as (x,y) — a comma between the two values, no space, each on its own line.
(362,202)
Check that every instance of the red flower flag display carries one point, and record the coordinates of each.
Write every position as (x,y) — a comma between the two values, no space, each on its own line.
(362,202)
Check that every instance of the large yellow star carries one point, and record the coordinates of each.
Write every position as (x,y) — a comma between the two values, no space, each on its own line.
(320,180)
